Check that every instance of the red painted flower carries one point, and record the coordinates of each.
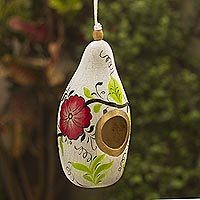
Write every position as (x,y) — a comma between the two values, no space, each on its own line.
(74,116)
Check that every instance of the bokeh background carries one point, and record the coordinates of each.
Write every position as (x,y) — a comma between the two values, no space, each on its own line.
(157,50)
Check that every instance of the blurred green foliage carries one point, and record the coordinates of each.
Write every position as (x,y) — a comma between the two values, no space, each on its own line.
(8,9)
(64,6)
(13,7)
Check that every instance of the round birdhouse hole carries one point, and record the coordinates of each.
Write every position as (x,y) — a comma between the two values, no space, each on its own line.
(112,132)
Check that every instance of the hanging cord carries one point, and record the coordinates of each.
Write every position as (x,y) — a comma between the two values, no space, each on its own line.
(97,33)
(97,25)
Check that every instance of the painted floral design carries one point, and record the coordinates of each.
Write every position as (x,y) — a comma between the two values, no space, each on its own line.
(74,117)
(96,171)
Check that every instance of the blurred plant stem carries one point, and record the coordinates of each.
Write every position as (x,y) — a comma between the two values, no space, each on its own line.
(9,177)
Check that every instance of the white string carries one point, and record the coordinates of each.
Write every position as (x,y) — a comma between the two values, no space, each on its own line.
(97,25)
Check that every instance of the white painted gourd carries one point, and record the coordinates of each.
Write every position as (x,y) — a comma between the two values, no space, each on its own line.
(94,122)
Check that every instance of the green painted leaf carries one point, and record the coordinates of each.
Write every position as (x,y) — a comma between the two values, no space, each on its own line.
(61,145)
(115,90)
(96,161)
(88,178)
(99,178)
(124,165)
(97,107)
(101,168)
(81,167)
(87,93)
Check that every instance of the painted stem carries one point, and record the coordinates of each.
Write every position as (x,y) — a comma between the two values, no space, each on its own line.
(112,104)
(59,135)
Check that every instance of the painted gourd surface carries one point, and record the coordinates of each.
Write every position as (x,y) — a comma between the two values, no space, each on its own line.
(94,90)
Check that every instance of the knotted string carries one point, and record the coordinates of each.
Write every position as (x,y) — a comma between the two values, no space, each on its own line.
(97,25)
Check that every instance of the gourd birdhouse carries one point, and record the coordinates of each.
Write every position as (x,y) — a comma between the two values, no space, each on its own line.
(94,122)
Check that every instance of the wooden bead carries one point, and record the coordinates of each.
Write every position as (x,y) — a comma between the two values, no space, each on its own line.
(97,35)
